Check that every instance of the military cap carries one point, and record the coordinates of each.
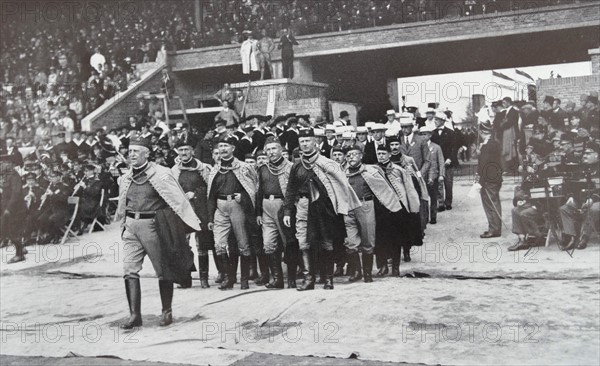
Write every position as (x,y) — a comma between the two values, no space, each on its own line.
(228,139)
(306,132)
(140,141)
(272,140)
(261,153)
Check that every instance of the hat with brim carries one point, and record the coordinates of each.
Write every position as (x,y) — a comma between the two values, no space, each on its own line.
(319,132)
(390,112)
(430,111)
(362,129)
(426,129)
(272,140)
(329,128)
(440,115)
(378,127)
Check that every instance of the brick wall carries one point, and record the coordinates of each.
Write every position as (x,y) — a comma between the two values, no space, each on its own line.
(567,89)
(466,28)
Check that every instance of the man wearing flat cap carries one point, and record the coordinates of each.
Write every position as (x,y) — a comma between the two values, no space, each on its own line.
(319,192)
(231,198)
(192,175)
(155,214)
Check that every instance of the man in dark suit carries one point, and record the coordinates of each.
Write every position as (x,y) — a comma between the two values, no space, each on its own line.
(489,173)
(509,135)
(447,140)
(417,148)
(378,139)
(322,145)
(414,146)
(286,45)
(244,145)
(289,139)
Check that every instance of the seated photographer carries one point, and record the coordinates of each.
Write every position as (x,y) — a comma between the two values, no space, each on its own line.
(574,212)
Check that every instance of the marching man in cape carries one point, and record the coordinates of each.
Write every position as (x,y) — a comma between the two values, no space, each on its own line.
(231,198)
(320,192)
(155,214)
(372,188)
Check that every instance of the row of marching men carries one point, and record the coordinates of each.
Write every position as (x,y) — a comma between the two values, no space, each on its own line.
(371,197)
(310,212)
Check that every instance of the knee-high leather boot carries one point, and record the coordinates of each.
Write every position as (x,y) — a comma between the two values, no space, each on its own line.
(203,270)
(253,274)
(291,257)
(309,279)
(367,262)
(227,282)
(354,258)
(166,298)
(233,267)
(134,298)
(263,264)
(218,265)
(329,263)
(276,270)
(396,262)
(245,272)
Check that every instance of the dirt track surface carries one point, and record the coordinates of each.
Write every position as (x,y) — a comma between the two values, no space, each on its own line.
(462,300)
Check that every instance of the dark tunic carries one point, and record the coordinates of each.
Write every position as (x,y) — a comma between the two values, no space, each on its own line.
(359,185)
(191,180)
(89,202)
(141,196)
(268,185)
(224,184)
(323,222)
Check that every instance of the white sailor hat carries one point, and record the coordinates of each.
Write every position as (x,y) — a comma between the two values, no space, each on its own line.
(319,132)
(430,110)
(348,135)
(369,125)
(338,124)
(329,127)
(362,129)
(390,112)
(339,130)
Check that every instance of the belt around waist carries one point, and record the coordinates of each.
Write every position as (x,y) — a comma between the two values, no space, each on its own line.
(367,198)
(140,215)
(272,197)
(227,197)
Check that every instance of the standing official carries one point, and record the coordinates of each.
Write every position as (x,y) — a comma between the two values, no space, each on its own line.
(489,172)
(231,198)
(436,172)
(286,45)
(154,213)
(319,192)
(449,142)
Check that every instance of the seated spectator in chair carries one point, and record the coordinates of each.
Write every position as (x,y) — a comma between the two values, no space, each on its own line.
(573,214)
(53,212)
(89,191)
(526,221)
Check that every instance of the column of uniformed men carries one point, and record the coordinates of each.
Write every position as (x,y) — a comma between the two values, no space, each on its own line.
(325,199)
